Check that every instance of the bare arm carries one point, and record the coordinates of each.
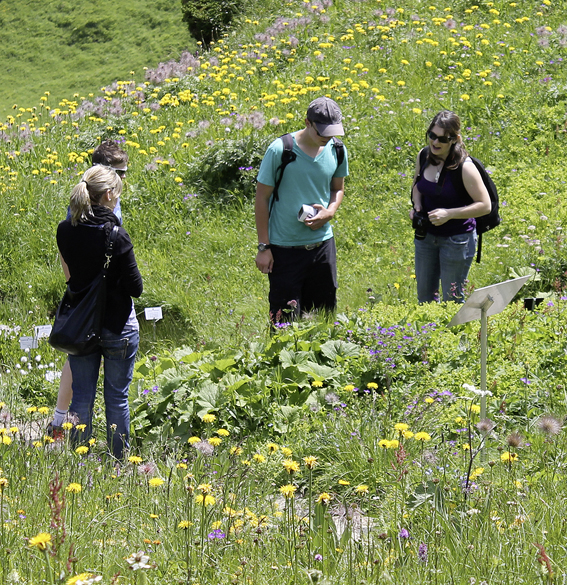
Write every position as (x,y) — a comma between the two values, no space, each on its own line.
(415,194)
(325,215)
(65,268)
(264,260)
(475,188)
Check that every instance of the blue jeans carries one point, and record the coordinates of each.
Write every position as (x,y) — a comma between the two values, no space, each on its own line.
(445,258)
(119,352)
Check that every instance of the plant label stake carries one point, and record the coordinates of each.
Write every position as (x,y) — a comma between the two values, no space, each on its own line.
(483,302)
(153,314)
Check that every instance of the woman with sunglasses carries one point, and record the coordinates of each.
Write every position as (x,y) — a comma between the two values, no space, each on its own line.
(443,211)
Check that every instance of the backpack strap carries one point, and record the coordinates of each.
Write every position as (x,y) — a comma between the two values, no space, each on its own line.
(287,156)
(340,150)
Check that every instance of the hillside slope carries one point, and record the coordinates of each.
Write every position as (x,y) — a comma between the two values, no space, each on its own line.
(72,47)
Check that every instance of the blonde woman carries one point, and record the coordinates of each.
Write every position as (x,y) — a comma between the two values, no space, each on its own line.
(81,240)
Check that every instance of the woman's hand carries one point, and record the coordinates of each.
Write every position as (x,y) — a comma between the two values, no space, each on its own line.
(439,216)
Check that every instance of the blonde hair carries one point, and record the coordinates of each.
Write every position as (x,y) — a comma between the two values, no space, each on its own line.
(94,184)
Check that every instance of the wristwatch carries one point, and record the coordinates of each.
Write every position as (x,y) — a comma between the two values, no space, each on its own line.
(263,247)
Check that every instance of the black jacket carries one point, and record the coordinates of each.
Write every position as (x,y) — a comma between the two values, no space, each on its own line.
(83,249)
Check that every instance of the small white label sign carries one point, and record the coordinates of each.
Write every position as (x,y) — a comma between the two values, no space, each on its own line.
(153,313)
(28,343)
(42,331)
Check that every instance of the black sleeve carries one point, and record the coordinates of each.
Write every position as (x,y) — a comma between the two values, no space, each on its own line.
(130,280)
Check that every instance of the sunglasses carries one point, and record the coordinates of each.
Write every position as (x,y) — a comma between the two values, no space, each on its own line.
(442,139)
(120,172)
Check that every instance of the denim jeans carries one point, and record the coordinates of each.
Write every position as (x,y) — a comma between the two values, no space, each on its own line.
(445,258)
(119,353)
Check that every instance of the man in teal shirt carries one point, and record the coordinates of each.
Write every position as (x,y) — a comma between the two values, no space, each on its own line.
(299,257)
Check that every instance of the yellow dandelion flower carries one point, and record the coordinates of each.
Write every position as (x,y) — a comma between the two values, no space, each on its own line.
(193,440)
(236,451)
(184,524)
(508,457)
(156,482)
(215,441)
(74,488)
(372,386)
(82,450)
(401,427)
(429,400)
(348,388)
(81,427)
(361,489)
(135,459)
(79,579)
(43,410)
(288,491)
(31,409)
(258,458)
(422,436)
(223,433)
(310,461)
(407,434)
(6,440)
(209,418)
(181,465)
(272,447)
(344,482)
(290,465)
(40,541)
(3,483)
(287,452)
(67,426)
(317,384)
(324,499)
(205,500)
(475,408)
(205,488)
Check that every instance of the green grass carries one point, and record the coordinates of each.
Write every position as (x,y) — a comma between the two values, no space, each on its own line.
(71,48)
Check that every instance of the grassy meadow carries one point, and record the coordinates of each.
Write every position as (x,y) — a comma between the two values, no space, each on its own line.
(342,451)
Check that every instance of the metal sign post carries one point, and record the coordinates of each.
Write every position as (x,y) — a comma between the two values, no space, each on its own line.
(482,303)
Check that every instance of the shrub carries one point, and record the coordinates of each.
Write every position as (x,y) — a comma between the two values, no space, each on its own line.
(206,19)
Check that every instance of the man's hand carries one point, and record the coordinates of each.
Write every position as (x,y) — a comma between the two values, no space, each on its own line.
(319,220)
(265,261)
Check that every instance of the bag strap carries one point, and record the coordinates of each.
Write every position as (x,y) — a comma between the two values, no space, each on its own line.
(110,241)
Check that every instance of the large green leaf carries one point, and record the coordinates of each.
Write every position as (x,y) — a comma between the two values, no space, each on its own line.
(335,348)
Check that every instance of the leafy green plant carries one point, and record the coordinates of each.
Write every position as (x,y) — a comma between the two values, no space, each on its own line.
(207,19)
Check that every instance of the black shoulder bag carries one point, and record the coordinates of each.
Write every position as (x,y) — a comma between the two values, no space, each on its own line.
(78,321)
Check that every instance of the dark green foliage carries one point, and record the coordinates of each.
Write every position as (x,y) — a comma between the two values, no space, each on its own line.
(228,166)
(206,19)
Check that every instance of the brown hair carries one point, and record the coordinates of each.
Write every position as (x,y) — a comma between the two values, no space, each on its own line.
(108,153)
(95,183)
(451,123)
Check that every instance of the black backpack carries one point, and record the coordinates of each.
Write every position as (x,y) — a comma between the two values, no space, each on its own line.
(486,222)
(289,156)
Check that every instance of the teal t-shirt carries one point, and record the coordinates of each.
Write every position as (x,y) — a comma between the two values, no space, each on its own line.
(305,180)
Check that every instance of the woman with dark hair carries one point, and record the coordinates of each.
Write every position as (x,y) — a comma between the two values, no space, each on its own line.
(82,241)
(448,193)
